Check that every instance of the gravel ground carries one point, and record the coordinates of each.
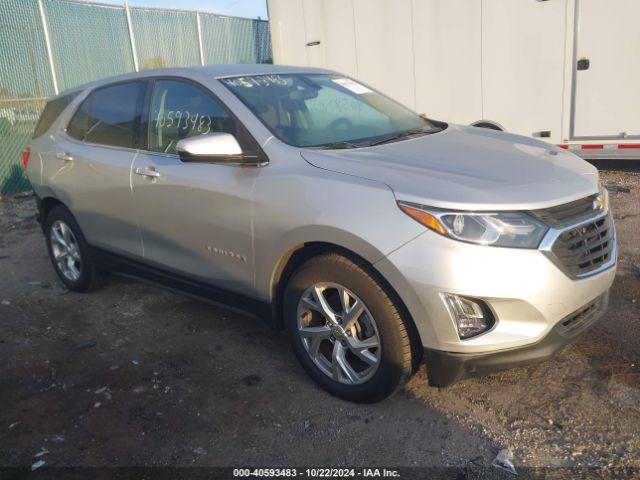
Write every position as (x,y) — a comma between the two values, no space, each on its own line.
(134,375)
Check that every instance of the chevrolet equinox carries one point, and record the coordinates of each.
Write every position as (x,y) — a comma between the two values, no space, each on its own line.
(376,236)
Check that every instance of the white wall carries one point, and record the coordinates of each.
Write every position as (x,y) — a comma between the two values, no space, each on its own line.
(523,60)
(455,60)
(339,38)
(288,37)
(384,46)
(447,59)
(608,94)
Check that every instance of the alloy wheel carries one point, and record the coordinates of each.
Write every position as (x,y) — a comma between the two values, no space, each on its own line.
(66,251)
(339,333)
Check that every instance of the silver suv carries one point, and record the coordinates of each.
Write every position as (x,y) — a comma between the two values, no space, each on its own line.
(375,236)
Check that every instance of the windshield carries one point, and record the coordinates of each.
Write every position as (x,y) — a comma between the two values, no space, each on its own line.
(323,110)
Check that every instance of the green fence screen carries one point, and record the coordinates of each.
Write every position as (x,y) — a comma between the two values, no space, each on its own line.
(219,35)
(91,40)
(165,38)
(87,42)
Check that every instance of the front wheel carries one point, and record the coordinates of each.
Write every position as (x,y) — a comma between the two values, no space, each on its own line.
(345,329)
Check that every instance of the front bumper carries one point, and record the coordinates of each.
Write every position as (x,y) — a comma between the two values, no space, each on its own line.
(446,368)
(526,291)
(529,294)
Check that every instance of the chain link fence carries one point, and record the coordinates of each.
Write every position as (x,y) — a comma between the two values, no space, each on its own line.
(47,46)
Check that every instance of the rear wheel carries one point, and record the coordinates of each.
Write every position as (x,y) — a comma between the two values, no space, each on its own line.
(69,251)
(345,329)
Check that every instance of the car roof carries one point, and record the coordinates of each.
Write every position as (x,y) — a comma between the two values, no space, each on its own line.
(214,71)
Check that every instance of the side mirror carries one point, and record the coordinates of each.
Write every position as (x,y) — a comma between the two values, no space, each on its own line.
(215,147)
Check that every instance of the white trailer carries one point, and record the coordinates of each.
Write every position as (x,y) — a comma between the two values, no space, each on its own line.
(566,71)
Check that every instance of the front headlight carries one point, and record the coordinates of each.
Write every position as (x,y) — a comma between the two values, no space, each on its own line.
(498,229)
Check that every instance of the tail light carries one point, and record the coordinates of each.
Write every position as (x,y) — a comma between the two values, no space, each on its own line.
(25,157)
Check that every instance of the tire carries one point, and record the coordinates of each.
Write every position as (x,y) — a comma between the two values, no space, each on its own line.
(362,381)
(86,277)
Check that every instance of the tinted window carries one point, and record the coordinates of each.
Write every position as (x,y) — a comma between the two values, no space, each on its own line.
(78,125)
(109,116)
(52,110)
(181,110)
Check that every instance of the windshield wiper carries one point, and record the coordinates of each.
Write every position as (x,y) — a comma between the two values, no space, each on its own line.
(389,138)
(406,133)
(337,145)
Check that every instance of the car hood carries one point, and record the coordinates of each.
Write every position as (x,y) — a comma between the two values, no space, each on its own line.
(468,168)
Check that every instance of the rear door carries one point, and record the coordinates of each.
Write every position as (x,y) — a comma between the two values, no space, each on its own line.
(195,218)
(607,92)
(90,169)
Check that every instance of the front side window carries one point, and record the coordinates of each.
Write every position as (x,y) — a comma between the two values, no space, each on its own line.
(109,116)
(316,110)
(181,110)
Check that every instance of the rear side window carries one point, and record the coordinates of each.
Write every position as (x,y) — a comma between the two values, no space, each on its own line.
(51,112)
(78,125)
(110,116)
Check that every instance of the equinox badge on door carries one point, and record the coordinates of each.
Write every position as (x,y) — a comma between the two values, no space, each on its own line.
(226,253)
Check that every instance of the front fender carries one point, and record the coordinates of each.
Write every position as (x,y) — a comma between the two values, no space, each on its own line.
(317,205)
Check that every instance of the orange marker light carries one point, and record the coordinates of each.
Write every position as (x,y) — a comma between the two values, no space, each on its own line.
(424,218)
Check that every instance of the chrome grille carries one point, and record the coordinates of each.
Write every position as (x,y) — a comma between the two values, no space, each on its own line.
(568,213)
(585,248)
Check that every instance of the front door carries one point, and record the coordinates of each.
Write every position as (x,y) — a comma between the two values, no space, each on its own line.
(195,218)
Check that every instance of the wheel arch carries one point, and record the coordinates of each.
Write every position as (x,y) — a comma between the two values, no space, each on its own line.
(45,205)
(300,253)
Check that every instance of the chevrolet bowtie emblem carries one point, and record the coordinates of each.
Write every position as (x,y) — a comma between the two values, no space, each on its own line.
(598,203)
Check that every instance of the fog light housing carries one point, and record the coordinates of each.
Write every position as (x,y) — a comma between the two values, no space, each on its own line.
(471,316)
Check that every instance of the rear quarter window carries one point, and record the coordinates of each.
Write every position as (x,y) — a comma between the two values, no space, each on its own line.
(52,111)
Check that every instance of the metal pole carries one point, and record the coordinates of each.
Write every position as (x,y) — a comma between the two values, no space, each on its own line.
(47,42)
(200,38)
(131,39)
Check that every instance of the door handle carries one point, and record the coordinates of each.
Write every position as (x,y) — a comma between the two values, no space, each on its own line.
(64,156)
(147,172)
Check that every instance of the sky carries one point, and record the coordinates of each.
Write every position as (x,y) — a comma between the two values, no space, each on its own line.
(238,8)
